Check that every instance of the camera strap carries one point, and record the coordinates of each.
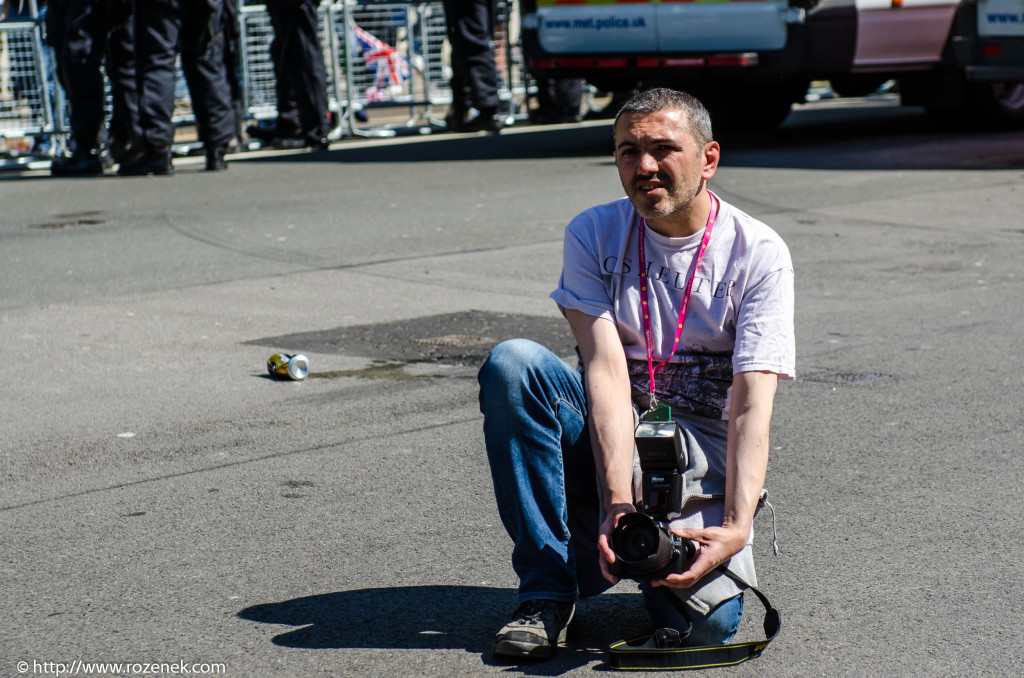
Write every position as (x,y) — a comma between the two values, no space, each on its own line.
(645,311)
(664,650)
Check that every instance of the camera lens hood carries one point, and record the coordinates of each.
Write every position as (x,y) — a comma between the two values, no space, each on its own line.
(644,547)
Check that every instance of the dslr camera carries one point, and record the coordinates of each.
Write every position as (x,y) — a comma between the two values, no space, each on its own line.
(644,546)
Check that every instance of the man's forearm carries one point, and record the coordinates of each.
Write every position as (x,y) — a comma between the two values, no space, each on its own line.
(611,432)
(749,423)
(609,403)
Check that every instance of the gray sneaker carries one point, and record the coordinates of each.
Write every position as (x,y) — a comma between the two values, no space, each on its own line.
(537,627)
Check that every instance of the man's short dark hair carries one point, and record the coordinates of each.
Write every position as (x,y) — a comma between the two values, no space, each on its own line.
(661,99)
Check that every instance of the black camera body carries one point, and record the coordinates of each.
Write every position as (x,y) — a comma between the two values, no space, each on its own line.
(644,546)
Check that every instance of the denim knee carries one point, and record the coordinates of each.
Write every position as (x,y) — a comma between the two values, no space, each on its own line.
(508,364)
(509,358)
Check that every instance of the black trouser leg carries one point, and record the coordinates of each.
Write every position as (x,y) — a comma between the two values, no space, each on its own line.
(462,97)
(470,30)
(282,19)
(158,27)
(124,90)
(299,69)
(559,96)
(79,40)
(311,74)
(202,58)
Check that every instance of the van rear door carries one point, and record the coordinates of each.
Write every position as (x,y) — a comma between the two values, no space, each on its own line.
(596,27)
(721,26)
(1001,18)
(895,32)
(660,27)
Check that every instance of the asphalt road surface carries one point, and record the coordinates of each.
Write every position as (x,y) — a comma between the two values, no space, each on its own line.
(163,502)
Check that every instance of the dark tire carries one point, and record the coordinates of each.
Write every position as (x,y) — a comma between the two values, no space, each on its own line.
(754,108)
(982,106)
(1001,103)
(857,85)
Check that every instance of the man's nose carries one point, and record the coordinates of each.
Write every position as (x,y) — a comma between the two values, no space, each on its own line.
(647,164)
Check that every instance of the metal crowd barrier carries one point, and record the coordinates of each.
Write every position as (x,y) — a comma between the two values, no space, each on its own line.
(29,127)
(391,54)
(378,53)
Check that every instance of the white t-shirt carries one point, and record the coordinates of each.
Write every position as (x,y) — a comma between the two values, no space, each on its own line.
(740,316)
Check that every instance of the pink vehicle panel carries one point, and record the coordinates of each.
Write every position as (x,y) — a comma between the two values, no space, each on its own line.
(909,32)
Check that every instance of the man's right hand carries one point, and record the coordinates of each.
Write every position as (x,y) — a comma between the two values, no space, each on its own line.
(604,540)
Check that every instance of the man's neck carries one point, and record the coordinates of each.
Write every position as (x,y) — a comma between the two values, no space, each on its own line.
(687,221)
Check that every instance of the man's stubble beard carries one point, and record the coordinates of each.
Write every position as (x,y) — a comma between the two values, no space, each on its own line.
(675,206)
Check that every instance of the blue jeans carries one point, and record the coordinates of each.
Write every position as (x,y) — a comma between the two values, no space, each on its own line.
(545,483)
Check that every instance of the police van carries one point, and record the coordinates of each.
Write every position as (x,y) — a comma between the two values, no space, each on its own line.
(752,59)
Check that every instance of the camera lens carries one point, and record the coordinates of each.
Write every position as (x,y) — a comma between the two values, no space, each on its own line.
(639,541)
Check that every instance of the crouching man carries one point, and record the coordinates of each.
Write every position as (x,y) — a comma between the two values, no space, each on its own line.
(676,298)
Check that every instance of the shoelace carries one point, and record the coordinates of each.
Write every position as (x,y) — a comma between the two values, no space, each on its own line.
(531,610)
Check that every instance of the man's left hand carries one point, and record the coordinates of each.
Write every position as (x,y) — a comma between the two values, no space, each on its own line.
(715,545)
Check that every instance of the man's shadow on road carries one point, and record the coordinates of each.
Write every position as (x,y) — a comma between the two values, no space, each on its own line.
(443,618)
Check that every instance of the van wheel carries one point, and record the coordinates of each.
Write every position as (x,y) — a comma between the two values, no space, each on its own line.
(1003,101)
(755,108)
(981,106)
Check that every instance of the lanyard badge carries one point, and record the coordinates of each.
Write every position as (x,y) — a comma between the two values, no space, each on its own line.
(661,412)
(658,412)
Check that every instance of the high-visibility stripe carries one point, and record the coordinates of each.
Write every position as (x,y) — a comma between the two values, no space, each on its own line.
(644,62)
(682,62)
(557,3)
(729,60)
(577,3)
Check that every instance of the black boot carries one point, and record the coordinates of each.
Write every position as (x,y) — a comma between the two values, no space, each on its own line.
(486,121)
(127,151)
(294,143)
(155,160)
(455,119)
(215,161)
(82,164)
(261,133)
(271,132)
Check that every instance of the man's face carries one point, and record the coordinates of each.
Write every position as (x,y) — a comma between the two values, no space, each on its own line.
(660,165)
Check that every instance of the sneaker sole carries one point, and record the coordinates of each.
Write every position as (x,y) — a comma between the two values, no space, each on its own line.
(509,648)
(513,648)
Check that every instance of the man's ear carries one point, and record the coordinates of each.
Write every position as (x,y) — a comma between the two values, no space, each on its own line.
(712,154)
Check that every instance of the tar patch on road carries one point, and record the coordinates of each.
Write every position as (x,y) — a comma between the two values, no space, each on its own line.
(90,218)
(845,378)
(451,338)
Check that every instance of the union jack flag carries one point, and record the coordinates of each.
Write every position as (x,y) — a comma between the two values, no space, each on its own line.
(389,67)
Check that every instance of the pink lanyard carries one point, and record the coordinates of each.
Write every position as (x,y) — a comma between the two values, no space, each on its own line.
(651,367)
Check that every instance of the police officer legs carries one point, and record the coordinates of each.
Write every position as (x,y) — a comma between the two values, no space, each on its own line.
(82,33)
(76,29)
(301,77)
(196,28)
(470,25)
(125,136)
(206,73)
(558,99)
